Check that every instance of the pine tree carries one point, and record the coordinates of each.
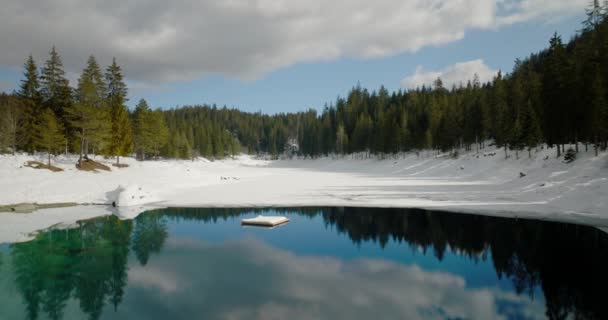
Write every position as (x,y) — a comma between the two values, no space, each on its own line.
(91,88)
(517,110)
(151,133)
(599,111)
(554,94)
(595,15)
(235,146)
(30,85)
(54,87)
(531,128)
(89,115)
(12,119)
(142,134)
(31,99)
(49,134)
(159,131)
(121,142)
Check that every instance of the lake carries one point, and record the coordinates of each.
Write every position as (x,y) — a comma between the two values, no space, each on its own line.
(326,263)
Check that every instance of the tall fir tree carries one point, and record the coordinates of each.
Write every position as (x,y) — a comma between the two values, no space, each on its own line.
(89,115)
(31,100)
(151,133)
(54,86)
(121,141)
(30,85)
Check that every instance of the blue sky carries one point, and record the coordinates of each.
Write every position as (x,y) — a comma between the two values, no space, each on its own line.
(266,74)
(311,85)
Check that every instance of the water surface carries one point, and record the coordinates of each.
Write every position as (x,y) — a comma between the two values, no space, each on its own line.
(327,263)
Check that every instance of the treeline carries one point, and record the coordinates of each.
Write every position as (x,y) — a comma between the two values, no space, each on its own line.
(46,114)
(556,97)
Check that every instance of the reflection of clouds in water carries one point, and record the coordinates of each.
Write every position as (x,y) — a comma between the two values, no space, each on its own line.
(251,280)
(154,279)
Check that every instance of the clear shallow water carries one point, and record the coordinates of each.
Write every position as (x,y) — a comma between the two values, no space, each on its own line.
(327,263)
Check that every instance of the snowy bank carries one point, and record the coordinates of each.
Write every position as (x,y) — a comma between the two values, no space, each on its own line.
(478,183)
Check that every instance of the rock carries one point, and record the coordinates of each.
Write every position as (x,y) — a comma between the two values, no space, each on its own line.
(521,174)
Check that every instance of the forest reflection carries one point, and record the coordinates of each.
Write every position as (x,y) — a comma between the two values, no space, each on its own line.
(89,263)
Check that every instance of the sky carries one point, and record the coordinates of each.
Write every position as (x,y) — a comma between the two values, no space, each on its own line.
(279,55)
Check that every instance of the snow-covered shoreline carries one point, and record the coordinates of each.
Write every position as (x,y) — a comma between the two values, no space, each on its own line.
(474,183)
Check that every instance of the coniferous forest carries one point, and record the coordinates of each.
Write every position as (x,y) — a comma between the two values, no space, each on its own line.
(557,97)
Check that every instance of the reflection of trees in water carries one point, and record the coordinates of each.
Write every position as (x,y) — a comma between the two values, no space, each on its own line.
(568,262)
(149,235)
(89,263)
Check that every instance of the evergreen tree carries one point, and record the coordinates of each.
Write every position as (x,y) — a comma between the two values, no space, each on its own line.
(151,133)
(12,120)
(121,142)
(54,87)
(599,110)
(554,92)
(89,115)
(142,134)
(49,134)
(30,86)
(531,128)
(595,15)
(29,92)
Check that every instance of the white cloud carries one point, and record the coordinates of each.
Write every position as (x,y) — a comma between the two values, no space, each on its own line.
(515,11)
(216,280)
(177,40)
(456,74)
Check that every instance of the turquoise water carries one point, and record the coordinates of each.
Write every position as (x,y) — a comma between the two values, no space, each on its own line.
(326,263)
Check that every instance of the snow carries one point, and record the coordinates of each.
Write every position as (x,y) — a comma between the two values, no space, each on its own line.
(266,221)
(483,183)
(130,195)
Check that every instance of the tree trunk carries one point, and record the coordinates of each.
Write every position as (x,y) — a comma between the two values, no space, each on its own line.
(517,154)
(576,143)
(506,152)
(529,152)
(117,160)
(596,146)
(559,151)
(586,146)
(49,159)
(81,148)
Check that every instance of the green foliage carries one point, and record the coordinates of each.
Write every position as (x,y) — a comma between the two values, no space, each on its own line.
(90,114)
(49,134)
(149,236)
(150,130)
(12,122)
(88,264)
(54,86)
(121,142)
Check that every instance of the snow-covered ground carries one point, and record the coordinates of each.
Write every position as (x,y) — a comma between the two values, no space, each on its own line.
(476,183)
